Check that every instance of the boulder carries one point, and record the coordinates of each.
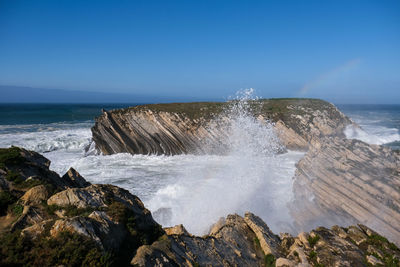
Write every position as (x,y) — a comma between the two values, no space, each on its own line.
(176,230)
(35,196)
(74,179)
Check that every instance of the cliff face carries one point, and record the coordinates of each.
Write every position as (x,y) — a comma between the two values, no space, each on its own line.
(347,181)
(48,220)
(202,127)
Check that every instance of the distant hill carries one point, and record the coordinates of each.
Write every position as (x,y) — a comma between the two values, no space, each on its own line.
(19,94)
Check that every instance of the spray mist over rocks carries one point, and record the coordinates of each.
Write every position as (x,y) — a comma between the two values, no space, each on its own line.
(251,175)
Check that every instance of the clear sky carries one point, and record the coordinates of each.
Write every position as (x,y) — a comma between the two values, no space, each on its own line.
(343,51)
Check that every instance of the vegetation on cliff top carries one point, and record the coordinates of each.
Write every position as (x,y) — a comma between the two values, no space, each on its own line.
(195,110)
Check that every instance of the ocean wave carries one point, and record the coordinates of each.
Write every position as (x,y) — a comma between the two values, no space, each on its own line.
(48,140)
(26,128)
(378,135)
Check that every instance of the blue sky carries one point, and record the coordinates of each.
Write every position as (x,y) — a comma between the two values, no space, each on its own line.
(342,51)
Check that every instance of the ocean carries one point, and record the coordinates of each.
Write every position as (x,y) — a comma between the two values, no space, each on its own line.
(184,188)
(380,124)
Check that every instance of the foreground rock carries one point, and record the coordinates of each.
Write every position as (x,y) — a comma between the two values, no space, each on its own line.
(237,241)
(191,127)
(44,222)
(51,220)
(343,182)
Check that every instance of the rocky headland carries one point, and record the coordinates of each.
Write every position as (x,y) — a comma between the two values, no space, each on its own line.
(50,220)
(202,127)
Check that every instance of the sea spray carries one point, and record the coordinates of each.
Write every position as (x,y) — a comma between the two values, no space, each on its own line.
(381,136)
(250,173)
(250,176)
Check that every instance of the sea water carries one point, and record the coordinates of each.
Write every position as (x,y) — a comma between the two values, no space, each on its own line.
(195,190)
(380,124)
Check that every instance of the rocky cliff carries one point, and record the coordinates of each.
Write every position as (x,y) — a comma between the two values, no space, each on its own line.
(50,220)
(347,181)
(202,127)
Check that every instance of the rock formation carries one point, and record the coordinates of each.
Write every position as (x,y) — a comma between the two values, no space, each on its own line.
(347,181)
(191,127)
(51,220)
(45,222)
(238,241)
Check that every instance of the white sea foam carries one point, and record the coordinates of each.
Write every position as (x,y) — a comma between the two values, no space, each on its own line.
(191,189)
(251,177)
(45,141)
(228,184)
(377,135)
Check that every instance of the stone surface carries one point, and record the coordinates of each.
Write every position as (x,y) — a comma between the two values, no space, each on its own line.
(176,230)
(74,179)
(35,195)
(269,241)
(95,196)
(202,127)
(343,182)
(234,242)
(97,226)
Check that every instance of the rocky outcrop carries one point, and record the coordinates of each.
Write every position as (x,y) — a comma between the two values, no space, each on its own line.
(202,127)
(35,195)
(51,220)
(342,181)
(74,179)
(237,241)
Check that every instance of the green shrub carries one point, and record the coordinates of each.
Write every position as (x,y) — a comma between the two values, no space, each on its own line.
(390,261)
(257,242)
(118,212)
(65,249)
(381,242)
(28,184)
(14,177)
(50,209)
(313,255)
(269,260)
(70,210)
(17,209)
(137,236)
(6,199)
(10,156)
(313,240)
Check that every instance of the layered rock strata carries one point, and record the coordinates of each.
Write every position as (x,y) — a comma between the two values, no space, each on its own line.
(202,127)
(347,181)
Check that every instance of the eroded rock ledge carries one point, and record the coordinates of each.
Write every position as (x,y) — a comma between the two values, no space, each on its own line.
(191,127)
(247,241)
(49,220)
(348,181)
